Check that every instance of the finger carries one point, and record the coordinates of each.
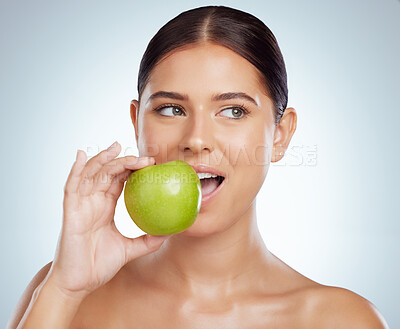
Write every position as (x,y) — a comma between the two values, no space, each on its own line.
(74,176)
(117,185)
(72,184)
(95,164)
(104,178)
(142,245)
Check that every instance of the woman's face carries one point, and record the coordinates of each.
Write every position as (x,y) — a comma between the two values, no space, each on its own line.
(198,127)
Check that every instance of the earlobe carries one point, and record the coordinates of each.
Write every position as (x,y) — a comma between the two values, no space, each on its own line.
(283,134)
(134,116)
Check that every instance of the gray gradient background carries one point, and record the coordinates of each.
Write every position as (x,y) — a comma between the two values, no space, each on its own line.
(329,209)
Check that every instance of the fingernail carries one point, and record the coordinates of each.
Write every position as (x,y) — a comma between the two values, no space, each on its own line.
(136,160)
(111,146)
(145,159)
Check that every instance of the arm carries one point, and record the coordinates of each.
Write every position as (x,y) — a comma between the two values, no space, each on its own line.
(26,297)
(90,249)
(50,308)
(40,297)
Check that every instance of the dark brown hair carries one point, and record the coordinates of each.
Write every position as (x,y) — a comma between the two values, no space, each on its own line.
(237,30)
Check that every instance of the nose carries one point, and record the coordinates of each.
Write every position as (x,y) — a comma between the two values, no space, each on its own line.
(198,135)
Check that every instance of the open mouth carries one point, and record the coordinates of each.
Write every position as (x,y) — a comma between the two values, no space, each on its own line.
(209,185)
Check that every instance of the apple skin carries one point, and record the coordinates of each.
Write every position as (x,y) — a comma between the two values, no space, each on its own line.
(163,199)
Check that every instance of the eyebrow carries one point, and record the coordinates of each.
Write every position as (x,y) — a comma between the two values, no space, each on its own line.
(215,97)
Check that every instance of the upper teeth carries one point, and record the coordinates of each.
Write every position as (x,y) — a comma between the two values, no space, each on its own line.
(206,175)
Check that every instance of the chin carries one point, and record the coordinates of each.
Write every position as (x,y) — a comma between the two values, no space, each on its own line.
(204,227)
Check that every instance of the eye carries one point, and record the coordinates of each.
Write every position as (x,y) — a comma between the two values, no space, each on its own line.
(176,110)
(238,112)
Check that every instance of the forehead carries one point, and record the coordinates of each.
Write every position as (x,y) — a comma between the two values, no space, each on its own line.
(203,70)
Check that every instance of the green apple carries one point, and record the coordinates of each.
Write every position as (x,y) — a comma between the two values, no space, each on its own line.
(163,199)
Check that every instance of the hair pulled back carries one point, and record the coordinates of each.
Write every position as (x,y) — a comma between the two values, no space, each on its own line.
(237,30)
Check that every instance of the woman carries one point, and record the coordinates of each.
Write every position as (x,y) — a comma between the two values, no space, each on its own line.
(212,91)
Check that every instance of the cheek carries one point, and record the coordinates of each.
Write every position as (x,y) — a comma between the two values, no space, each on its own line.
(154,140)
(148,139)
(249,157)
(247,151)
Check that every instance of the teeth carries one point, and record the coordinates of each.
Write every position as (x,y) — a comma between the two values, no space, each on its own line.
(206,175)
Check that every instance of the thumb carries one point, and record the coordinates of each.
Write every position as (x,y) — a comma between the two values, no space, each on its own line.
(143,245)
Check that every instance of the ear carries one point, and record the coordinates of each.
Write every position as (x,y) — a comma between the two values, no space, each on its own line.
(283,134)
(134,117)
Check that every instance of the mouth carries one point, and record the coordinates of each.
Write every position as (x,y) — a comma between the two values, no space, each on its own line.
(211,178)
(209,185)
(210,189)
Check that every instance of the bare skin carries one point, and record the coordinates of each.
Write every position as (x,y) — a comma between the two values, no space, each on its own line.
(218,273)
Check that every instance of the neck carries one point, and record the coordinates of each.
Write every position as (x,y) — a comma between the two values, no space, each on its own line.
(224,263)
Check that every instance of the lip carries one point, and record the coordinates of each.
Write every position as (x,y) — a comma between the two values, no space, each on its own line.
(200,168)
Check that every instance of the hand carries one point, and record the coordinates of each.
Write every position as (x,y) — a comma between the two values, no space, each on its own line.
(90,249)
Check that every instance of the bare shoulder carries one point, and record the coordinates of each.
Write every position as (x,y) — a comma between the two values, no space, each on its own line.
(26,296)
(335,307)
